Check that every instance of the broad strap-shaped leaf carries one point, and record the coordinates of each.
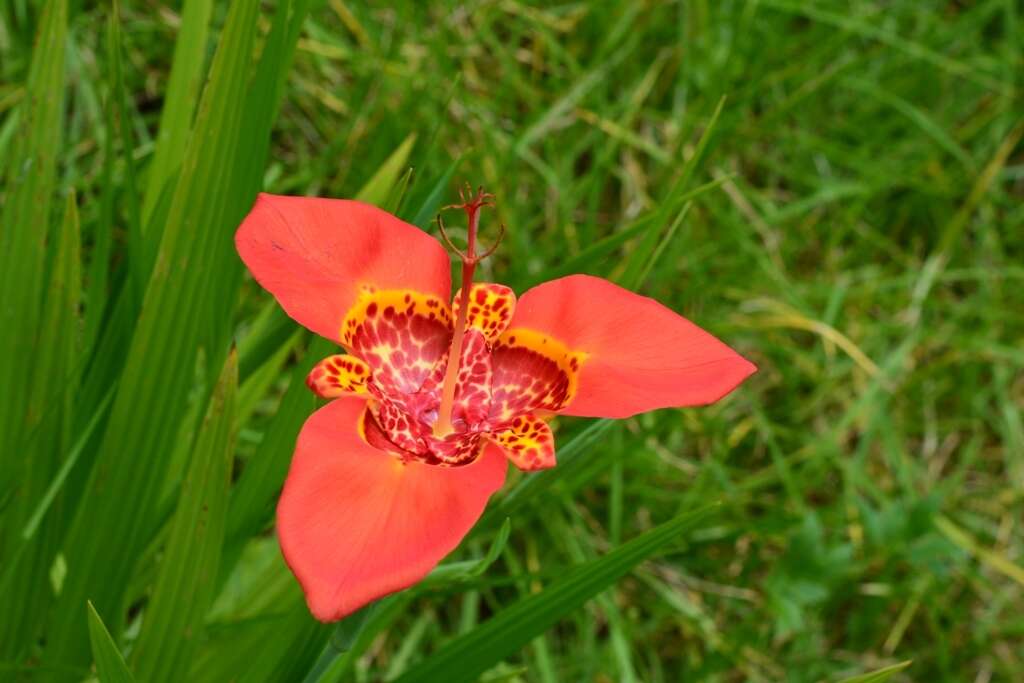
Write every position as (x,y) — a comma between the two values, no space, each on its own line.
(179,100)
(465,658)
(110,665)
(119,124)
(56,362)
(279,645)
(49,423)
(431,203)
(377,188)
(29,185)
(173,621)
(254,494)
(186,307)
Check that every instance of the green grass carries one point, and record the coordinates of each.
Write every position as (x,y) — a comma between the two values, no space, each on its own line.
(852,221)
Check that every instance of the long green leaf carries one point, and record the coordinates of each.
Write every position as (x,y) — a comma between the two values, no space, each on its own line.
(377,188)
(671,203)
(268,333)
(49,427)
(338,659)
(110,665)
(66,466)
(259,110)
(465,658)
(255,388)
(179,101)
(187,310)
(277,646)
(24,223)
(252,497)
(592,259)
(118,121)
(122,495)
(185,587)
(435,196)
(454,572)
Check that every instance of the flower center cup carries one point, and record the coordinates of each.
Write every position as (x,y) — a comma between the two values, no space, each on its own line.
(442,382)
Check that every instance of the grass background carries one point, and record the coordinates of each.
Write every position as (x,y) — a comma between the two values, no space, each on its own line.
(849,217)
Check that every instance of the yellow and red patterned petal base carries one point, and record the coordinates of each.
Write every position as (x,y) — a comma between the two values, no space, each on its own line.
(528,443)
(339,375)
(400,334)
(490,308)
(531,372)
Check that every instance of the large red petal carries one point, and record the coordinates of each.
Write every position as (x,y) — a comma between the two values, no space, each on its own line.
(640,354)
(356,524)
(314,254)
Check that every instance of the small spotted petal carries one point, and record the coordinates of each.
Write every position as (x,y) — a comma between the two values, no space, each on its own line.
(473,384)
(490,308)
(528,443)
(472,388)
(339,375)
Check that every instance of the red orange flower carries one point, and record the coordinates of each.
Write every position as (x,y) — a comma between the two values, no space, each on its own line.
(390,475)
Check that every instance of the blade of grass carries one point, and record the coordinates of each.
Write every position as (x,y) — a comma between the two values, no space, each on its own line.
(110,665)
(662,244)
(592,258)
(432,202)
(180,99)
(993,559)
(275,646)
(256,386)
(529,488)
(267,334)
(397,196)
(344,637)
(336,663)
(24,223)
(49,425)
(117,120)
(455,572)
(878,675)
(919,117)
(252,497)
(178,313)
(66,466)
(886,37)
(172,626)
(377,188)
(637,264)
(468,656)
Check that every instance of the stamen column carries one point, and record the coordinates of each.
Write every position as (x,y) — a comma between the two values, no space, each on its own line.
(472,206)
